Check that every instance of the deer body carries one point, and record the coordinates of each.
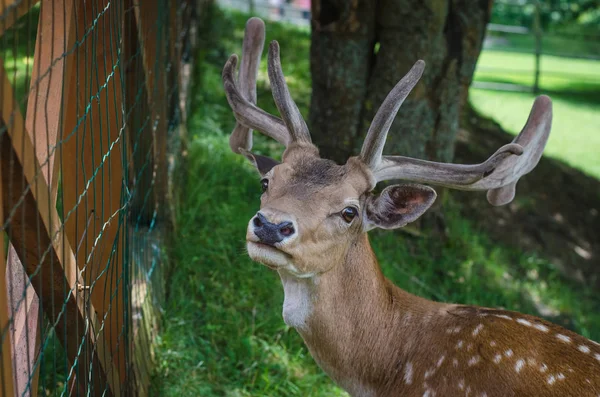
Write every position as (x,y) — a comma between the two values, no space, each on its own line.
(375,339)
(368,335)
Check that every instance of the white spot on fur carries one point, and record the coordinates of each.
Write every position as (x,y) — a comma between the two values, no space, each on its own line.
(560,376)
(469,347)
(551,379)
(504,316)
(427,394)
(474,360)
(455,362)
(484,394)
(440,361)
(524,322)
(597,356)
(461,384)
(429,372)
(541,327)
(497,358)
(543,368)
(508,353)
(584,349)
(477,330)
(459,345)
(493,343)
(519,365)
(408,373)
(563,338)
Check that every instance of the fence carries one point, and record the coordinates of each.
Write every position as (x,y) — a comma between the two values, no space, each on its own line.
(525,57)
(292,11)
(92,109)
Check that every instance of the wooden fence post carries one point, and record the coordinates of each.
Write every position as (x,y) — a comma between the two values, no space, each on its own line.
(91,164)
(153,48)
(6,362)
(32,219)
(42,123)
(138,123)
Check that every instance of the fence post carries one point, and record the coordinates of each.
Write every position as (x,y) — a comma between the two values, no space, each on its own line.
(42,125)
(92,167)
(31,216)
(153,46)
(537,31)
(252,7)
(6,362)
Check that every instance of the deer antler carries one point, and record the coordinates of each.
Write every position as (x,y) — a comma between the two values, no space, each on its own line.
(376,136)
(242,95)
(254,37)
(498,175)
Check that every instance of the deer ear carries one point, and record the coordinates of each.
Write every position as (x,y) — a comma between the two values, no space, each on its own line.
(397,206)
(263,164)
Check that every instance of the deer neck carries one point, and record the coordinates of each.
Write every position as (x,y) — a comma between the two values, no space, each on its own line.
(357,325)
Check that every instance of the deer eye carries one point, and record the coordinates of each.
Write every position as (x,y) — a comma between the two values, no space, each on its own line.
(349,213)
(264,184)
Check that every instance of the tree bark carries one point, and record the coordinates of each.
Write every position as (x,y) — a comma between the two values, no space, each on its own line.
(362,48)
(342,41)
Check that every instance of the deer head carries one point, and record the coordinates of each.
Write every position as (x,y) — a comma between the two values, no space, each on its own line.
(312,209)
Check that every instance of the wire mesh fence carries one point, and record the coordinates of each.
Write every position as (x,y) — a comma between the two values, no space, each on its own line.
(524,56)
(289,11)
(92,109)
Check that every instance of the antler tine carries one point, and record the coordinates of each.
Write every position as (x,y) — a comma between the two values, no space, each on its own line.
(281,95)
(247,113)
(252,47)
(498,175)
(243,99)
(372,148)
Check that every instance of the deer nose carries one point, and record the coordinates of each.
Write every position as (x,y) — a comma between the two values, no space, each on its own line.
(271,233)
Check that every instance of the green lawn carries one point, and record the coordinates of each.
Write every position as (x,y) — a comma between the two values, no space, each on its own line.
(223,334)
(573,85)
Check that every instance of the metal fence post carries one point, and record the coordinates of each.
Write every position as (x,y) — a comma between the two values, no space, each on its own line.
(537,31)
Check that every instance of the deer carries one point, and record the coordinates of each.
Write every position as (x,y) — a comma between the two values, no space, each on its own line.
(368,335)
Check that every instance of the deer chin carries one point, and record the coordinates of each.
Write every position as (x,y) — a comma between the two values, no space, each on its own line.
(268,255)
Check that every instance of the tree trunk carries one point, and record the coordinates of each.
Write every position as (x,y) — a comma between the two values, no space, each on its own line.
(362,48)
(343,37)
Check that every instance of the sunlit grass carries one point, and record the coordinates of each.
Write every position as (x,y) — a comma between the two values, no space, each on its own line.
(575,92)
(555,72)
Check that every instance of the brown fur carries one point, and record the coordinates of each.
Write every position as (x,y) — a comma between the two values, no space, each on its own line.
(375,339)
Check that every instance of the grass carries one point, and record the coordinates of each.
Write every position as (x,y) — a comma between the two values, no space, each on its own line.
(573,85)
(223,334)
